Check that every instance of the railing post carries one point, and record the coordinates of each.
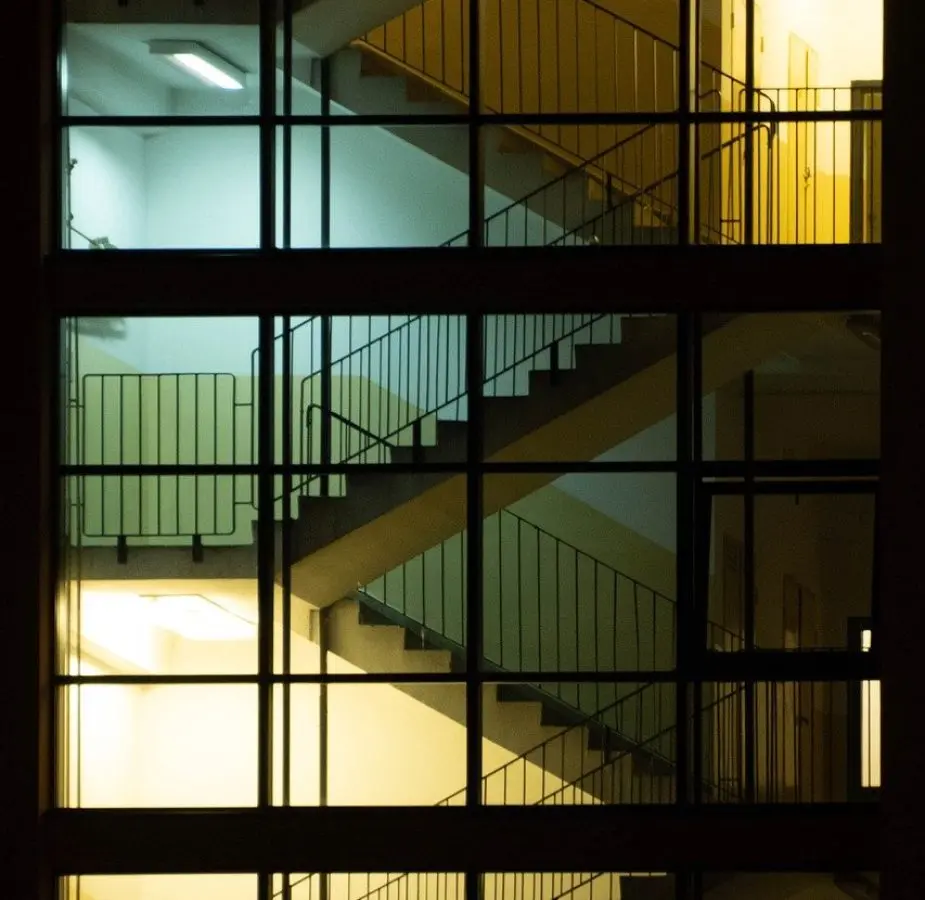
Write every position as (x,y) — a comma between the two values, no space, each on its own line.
(417,448)
(327,393)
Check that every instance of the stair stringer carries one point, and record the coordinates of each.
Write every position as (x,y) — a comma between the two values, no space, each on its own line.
(384,519)
(324,26)
(518,727)
(513,173)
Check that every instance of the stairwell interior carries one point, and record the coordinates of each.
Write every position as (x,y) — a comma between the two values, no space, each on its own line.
(406,184)
(578,568)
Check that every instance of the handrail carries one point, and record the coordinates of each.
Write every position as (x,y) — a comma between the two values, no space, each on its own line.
(522,757)
(599,562)
(574,784)
(648,190)
(559,178)
(456,398)
(364,431)
(580,167)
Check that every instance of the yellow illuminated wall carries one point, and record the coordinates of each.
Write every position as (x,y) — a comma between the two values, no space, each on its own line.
(808,54)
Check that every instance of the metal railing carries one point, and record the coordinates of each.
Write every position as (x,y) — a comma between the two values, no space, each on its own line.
(444,886)
(421,367)
(548,606)
(542,56)
(386,387)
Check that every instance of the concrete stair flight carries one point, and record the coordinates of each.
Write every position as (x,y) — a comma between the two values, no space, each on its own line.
(571,414)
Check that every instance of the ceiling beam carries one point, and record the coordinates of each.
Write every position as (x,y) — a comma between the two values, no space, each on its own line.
(457,280)
(831,837)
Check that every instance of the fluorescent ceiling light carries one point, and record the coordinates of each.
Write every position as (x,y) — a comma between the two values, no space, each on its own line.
(199,619)
(198,60)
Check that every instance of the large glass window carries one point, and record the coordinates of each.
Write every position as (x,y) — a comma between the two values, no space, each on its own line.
(379,136)
(445,559)
(325,536)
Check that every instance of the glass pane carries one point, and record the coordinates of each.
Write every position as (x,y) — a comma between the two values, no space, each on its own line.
(812,182)
(550,885)
(578,572)
(418,607)
(576,56)
(298,171)
(414,58)
(814,572)
(134,59)
(816,382)
(419,734)
(581,185)
(577,388)
(161,391)
(162,188)
(372,886)
(799,46)
(612,743)
(805,735)
(158,745)
(399,187)
(383,557)
(159,887)
(396,387)
(870,725)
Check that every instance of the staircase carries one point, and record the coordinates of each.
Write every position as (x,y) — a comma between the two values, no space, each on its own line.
(546,56)
(550,388)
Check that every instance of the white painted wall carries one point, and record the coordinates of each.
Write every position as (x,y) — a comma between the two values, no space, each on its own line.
(107,185)
(200,186)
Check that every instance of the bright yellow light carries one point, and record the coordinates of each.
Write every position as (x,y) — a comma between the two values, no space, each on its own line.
(199,619)
(82,667)
(119,625)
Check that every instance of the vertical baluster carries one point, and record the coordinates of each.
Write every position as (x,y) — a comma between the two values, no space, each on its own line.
(520,608)
(502,107)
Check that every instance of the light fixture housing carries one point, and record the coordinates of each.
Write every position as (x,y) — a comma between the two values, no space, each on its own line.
(197,618)
(201,62)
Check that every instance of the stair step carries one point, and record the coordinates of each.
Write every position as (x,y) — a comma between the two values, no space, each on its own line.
(367,615)
(415,640)
(515,693)
(648,328)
